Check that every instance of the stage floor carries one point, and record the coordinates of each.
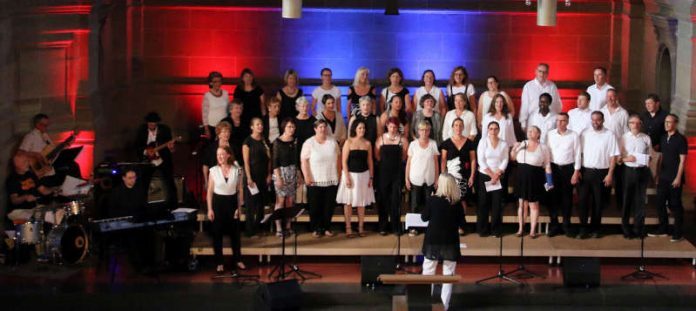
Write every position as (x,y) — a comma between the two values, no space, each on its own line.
(608,246)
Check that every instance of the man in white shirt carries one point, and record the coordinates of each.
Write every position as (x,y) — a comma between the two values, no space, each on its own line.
(599,151)
(598,91)
(636,148)
(615,116)
(581,117)
(544,119)
(531,92)
(616,120)
(566,160)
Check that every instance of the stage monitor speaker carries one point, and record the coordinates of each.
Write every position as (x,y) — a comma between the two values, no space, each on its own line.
(372,266)
(581,272)
(283,295)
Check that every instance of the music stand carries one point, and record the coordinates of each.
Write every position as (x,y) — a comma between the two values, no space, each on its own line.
(278,272)
(501,273)
(412,220)
(294,268)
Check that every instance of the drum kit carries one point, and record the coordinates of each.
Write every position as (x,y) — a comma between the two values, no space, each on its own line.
(56,231)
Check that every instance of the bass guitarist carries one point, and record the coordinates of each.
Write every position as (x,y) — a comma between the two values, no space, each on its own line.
(152,135)
(34,146)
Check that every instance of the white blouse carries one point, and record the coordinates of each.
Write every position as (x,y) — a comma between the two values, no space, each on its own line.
(319,93)
(322,160)
(539,157)
(487,99)
(493,158)
(469,119)
(422,170)
(222,186)
(507,129)
(214,108)
(273,129)
(434,92)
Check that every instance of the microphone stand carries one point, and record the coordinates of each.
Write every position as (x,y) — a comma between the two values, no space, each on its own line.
(641,272)
(294,267)
(501,275)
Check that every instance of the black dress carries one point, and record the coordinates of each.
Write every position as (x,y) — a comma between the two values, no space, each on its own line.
(287,105)
(441,240)
(354,99)
(259,153)
(391,175)
(459,163)
(251,101)
(304,129)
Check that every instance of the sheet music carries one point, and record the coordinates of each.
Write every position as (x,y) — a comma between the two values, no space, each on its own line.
(641,159)
(413,220)
(74,186)
(493,187)
(184,210)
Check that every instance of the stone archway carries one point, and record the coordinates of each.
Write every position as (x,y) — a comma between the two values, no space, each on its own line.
(663,78)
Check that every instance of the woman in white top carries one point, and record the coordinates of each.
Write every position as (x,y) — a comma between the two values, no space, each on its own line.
(499,113)
(326,88)
(461,111)
(396,110)
(428,81)
(492,154)
(321,167)
(225,197)
(214,105)
(534,166)
(486,99)
(395,88)
(421,169)
(356,188)
(333,117)
(459,83)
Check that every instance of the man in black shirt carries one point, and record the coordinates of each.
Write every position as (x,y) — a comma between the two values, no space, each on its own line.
(154,134)
(653,120)
(128,198)
(23,186)
(670,178)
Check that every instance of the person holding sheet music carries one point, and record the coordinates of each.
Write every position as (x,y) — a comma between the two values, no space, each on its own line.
(492,154)
(257,167)
(225,196)
(441,242)
(422,169)
(636,148)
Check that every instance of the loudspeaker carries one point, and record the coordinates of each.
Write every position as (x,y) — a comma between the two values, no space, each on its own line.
(372,266)
(581,271)
(283,295)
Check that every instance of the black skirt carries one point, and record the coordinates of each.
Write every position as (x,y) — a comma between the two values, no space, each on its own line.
(530,182)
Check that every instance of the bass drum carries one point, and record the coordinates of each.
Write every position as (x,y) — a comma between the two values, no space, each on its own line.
(67,243)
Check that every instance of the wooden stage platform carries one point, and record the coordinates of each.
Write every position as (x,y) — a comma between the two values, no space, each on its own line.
(555,248)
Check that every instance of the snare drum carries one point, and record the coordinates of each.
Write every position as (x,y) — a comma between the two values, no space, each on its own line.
(28,232)
(67,243)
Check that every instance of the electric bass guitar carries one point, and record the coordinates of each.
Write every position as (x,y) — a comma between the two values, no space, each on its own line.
(152,151)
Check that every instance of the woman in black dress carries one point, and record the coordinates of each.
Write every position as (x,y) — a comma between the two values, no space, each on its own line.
(289,94)
(257,166)
(458,158)
(390,151)
(250,95)
(303,121)
(441,241)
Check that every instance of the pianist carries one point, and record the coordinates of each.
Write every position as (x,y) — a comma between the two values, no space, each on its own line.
(129,197)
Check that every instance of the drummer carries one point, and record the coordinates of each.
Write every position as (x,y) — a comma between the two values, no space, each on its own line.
(26,193)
